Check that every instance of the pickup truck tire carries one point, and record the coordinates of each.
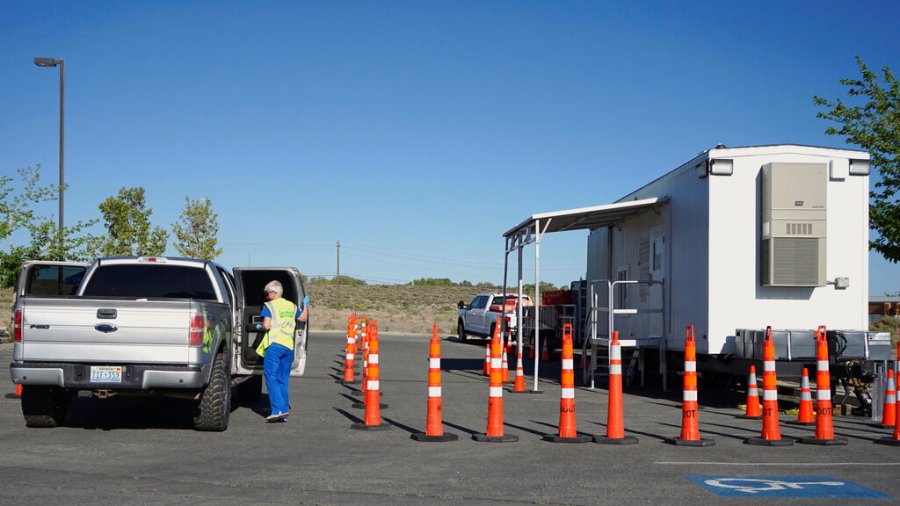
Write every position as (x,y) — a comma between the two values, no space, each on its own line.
(212,410)
(461,331)
(44,407)
(250,390)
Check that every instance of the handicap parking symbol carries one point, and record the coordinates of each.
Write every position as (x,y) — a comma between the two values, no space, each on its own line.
(806,487)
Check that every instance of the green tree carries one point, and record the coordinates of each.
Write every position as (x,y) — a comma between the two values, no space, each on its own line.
(873,123)
(432,282)
(127,221)
(44,242)
(345,281)
(196,230)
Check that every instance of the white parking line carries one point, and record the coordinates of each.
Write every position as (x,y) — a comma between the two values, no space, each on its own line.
(781,464)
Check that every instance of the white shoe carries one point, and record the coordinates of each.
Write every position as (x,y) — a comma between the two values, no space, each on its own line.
(275,418)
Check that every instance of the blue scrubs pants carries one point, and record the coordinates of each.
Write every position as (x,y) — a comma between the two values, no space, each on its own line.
(277,367)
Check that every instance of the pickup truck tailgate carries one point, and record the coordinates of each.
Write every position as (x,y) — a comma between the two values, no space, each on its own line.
(100,330)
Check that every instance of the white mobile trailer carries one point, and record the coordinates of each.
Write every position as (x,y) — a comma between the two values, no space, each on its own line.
(743,238)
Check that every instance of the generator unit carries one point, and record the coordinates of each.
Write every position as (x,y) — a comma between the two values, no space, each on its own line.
(793,224)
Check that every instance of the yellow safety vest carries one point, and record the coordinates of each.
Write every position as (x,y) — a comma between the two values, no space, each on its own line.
(281,330)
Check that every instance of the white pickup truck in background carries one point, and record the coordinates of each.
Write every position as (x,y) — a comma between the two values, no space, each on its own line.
(479,317)
(142,325)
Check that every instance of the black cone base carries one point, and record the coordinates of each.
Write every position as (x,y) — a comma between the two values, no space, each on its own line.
(627,440)
(342,382)
(363,426)
(506,438)
(784,441)
(360,393)
(888,441)
(677,441)
(361,405)
(553,438)
(823,442)
(422,437)
(881,426)
(748,417)
(800,424)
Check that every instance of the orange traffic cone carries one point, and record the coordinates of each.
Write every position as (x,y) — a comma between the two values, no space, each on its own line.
(372,419)
(486,368)
(771,433)
(895,439)
(364,348)
(615,418)
(19,390)
(891,440)
(545,352)
(690,425)
(364,332)
(889,411)
(495,433)
(350,355)
(531,349)
(805,414)
(824,426)
(519,386)
(372,330)
(504,367)
(567,420)
(434,425)
(752,412)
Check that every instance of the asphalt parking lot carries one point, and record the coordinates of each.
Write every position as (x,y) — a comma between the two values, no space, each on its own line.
(143,451)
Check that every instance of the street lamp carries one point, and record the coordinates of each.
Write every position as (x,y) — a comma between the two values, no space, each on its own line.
(53,62)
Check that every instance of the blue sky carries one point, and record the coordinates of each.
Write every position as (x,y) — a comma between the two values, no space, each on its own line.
(415,133)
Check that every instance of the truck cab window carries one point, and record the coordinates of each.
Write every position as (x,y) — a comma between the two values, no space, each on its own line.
(150,281)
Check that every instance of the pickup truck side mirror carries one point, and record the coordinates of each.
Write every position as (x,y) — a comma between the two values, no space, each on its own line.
(460,305)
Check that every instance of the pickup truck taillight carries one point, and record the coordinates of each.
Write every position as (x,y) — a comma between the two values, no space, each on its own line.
(196,335)
(507,322)
(17,326)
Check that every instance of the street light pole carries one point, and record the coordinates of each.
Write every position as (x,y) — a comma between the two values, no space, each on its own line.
(54,62)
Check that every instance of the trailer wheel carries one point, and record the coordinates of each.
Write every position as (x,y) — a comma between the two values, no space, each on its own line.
(44,407)
(461,331)
(212,410)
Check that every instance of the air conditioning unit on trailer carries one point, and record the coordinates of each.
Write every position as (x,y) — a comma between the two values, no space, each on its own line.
(792,247)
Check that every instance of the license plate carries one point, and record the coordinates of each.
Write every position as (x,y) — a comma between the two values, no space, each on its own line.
(106,374)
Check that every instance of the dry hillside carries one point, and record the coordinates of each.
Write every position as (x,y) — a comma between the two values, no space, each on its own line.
(397,308)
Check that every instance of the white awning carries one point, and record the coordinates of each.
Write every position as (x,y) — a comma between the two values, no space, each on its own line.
(590,218)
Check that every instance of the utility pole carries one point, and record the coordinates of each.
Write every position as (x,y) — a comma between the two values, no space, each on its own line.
(338,275)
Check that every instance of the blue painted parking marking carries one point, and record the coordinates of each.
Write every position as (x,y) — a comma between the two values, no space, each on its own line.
(806,487)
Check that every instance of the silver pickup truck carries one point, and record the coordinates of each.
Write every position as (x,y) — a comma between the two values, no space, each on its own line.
(142,325)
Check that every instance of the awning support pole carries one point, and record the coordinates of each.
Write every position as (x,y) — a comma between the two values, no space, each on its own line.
(520,322)
(503,328)
(538,235)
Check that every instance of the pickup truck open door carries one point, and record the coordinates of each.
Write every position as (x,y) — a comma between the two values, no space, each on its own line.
(249,284)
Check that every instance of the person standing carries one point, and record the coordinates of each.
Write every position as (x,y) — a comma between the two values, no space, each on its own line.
(280,317)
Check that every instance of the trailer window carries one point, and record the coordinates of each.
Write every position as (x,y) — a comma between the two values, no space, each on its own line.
(150,281)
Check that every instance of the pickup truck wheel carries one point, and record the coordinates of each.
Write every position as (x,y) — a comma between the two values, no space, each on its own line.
(461,331)
(212,410)
(250,390)
(44,406)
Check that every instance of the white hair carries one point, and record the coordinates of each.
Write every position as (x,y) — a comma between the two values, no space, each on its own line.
(274,286)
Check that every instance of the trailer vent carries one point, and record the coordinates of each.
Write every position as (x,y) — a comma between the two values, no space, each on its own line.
(799,229)
(792,242)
